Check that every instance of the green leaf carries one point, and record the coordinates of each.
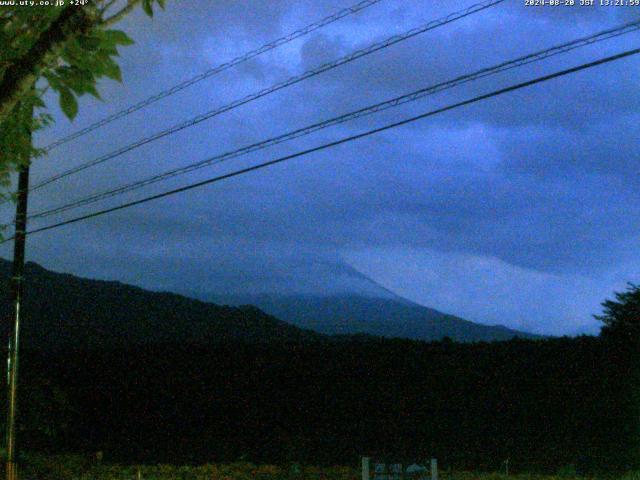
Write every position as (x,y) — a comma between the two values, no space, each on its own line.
(74,54)
(68,103)
(146,6)
(112,70)
(91,89)
(110,50)
(162,3)
(77,79)
(37,102)
(53,80)
(116,37)
(89,43)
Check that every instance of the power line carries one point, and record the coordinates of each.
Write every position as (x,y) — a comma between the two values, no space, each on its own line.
(325,146)
(410,97)
(278,86)
(216,70)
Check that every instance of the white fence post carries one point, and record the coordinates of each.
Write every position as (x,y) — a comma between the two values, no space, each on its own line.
(434,469)
(365,468)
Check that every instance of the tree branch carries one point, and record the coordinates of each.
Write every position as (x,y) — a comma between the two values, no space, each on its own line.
(107,6)
(131,4)
(21,75)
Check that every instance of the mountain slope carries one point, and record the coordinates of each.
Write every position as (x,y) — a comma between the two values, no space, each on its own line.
(388,317)
(62,310)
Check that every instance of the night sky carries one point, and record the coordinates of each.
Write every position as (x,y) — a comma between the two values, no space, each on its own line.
(521,210)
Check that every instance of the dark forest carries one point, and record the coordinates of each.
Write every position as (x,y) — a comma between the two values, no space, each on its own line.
(542,404)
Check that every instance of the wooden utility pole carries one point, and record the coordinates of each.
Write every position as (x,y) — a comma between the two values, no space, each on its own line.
(17,290)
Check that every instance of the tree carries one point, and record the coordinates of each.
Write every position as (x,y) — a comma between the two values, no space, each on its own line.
(46,411)
(621,317)
(66,48)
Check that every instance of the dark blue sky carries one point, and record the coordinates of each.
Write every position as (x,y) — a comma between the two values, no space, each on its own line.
(522,210)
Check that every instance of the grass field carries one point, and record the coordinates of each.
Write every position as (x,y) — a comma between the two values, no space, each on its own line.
(80,468)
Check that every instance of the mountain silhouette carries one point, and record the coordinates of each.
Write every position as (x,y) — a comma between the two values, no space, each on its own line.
(391,316)
(63,311)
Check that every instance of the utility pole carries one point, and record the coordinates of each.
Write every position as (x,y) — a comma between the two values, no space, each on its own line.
(17,290)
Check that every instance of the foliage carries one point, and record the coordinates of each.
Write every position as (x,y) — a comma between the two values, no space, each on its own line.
(67,49)
(68,467)
(46,412)
(567,471)
(621,317)
(543,404)
(15,139)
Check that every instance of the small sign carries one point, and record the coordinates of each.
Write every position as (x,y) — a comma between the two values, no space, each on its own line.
(379,470)
(396,471)
(415,468)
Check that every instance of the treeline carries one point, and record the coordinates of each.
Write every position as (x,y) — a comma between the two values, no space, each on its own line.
(544,405)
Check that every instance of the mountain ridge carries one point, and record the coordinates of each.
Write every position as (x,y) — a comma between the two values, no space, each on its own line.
(392,317)
(63,310)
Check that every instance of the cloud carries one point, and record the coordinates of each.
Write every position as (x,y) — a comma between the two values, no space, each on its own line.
(525,299)
(535,189)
